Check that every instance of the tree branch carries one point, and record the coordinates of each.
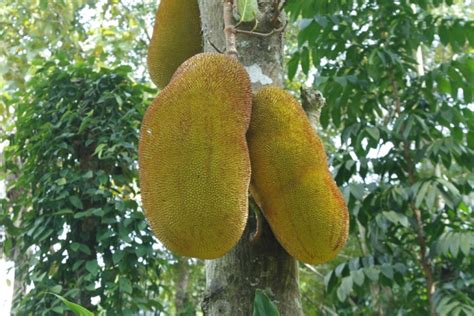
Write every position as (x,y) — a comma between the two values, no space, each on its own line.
(229,30)
(280,29)
(425,261)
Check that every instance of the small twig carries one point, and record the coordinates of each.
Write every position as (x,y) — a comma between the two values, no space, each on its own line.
(214,46)
(280,29)
(312,269)
(255,236)
(229,30)
(278,8)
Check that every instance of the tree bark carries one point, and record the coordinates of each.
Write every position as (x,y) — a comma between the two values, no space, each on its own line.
(262,264)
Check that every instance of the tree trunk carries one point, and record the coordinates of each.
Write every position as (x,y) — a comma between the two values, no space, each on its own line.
(17,256)
(263,264)
(181,298)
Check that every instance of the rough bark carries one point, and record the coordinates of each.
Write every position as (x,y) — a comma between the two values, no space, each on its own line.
(261,55)
(231,281)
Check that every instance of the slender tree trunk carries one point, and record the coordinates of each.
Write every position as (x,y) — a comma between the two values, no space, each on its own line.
(374,287)
(424,259)
(181,298)
(231,281)
(13,195)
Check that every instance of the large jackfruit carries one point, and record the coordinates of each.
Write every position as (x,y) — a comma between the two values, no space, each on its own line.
(193,157)
(291,181)
(176,37)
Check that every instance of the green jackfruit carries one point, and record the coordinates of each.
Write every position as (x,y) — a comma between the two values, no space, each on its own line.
(193,157)
(176,37)
(291,181)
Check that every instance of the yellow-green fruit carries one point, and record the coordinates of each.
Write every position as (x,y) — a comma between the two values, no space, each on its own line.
(193,157)
(176,37)
(291,181)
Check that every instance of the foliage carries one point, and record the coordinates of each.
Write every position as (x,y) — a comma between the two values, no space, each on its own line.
(77,309)
(263,306)
(404,114)
(114,32)
(75,220)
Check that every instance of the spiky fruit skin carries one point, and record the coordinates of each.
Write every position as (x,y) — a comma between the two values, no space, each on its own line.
(176,37)
(193,157)
(291,181)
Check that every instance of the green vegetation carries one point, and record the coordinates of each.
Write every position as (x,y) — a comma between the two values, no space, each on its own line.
(75,224)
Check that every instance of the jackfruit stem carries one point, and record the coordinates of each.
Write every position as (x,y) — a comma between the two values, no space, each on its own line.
(255,236)
(229,30)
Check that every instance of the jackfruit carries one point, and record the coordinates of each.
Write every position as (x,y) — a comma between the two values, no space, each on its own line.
(291,181)
(194,165)
(176,37)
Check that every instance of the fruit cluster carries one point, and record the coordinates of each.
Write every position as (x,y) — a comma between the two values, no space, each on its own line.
(206,139)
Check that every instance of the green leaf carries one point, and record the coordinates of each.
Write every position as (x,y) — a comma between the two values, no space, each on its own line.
(396,218)
(263,306)
(119,100)
(75,246)
(344,289)
(347,284)
(117,256)
(444,85)
(77,309)
(305,60)
(330,280)
(126,285)
(66,211)
(92,267)
(357,189)
(293,65)
(342,81)
(454,244)
(466,241)
(88,174)
(374,133)
(99,149)
(358,277)
(56,289)
(76,202)
(372,273)
(61,181)
(420,195)
(247,9)
(387,270)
